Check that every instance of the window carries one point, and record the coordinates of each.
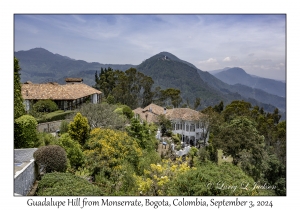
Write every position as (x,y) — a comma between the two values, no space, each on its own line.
(187,127)
(192,127)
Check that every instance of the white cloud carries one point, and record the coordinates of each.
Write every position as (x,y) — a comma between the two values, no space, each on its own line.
(227,59)
(231,58)
(210,60)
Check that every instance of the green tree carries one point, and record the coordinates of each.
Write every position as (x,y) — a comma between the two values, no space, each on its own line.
(131,87)
(197,103)
(219,108)
(79,129)
(63,128)
(171,95)
(107,150)
(236,108)
(25,133)
(164,123)
(110,99)
(102,115)
(155,181)
(141,133)
(45,106)
(237,136)
(276,116)
(73,150)
(128,112)
(19,108)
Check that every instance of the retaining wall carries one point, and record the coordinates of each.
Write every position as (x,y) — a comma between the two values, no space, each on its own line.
(50,127)
(25,170)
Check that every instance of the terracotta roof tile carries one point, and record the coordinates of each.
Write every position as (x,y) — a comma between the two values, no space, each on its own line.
(55,91)
(153,110)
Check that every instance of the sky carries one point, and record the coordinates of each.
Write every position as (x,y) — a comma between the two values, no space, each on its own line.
(256,43)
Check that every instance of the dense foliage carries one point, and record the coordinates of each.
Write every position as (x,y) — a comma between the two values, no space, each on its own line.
(66,184)
(134,89)
(79,129)
(130,87)
(52,116)
(46,105)
(142,134)
(73,150)
(209,179)
(108,149)
(25,133)
(256,141)
(45,139)
(19,108)
(51,158)
(156,179)
(102,115)
(246,150)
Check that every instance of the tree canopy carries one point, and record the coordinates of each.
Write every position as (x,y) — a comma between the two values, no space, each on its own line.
(19,108)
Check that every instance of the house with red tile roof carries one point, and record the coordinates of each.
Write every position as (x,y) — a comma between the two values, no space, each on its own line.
(68,96)
(185,121)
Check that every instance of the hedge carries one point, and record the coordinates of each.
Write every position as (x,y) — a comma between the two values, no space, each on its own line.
(66,184)
(54,116)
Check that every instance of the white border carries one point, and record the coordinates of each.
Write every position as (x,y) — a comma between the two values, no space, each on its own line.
(8,8)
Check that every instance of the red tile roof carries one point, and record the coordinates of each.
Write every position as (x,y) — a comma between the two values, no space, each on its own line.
(55,91)
(153,110)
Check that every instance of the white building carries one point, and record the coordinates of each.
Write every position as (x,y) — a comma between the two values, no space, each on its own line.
(187,122)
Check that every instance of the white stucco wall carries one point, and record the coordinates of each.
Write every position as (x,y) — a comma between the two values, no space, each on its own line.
(95,98)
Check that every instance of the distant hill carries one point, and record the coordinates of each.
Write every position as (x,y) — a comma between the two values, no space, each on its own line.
(39,65)
(245,91)
(237,75)
(218,70)
(169,71)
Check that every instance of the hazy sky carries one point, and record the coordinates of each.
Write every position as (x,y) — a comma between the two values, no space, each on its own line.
(256,43)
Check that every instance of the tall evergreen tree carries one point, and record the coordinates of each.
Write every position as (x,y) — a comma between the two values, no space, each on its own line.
(19,108)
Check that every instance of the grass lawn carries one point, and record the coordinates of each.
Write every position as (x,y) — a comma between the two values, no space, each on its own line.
(221,160)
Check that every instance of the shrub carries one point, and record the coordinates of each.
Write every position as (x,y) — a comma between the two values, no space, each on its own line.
(79,129)
(73,150)
(107,149)
(45,106)
(25,133)
(51,158)
(208,179)
(45,139)
(175,139)
(127,112)
(63,128)
(53,116)
(66,184)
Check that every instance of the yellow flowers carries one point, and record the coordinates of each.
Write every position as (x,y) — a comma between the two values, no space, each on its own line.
(155,180)
(109,148)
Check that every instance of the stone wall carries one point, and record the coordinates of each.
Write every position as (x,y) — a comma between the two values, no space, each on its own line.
(24,180)
(50,127)
(25,170)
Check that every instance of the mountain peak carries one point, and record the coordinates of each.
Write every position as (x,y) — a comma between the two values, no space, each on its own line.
(39,49)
